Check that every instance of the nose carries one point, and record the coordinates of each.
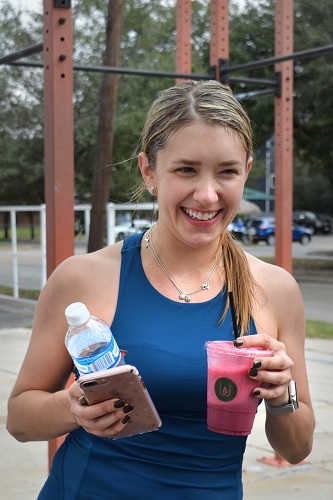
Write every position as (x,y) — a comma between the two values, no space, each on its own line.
(206,192)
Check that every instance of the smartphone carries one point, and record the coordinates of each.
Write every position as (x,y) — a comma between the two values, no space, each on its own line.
(123,382)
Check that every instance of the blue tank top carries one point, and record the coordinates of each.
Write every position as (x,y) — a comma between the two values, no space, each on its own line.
(183,459)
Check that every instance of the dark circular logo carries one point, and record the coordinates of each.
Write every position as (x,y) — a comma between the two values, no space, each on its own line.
(225,389)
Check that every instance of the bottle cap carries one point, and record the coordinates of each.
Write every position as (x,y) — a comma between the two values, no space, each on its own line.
(77,314)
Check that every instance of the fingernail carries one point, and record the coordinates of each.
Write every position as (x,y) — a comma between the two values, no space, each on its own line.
(256,393)
(119,404)
(126,419)
(128,408)
(253,372)
(238,342)
(256,363)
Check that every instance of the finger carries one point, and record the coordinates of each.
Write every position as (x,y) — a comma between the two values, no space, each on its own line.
(105,421)
(277,393)
(275,378)
(262,340)
(108,427)
(277,363)
(99,409)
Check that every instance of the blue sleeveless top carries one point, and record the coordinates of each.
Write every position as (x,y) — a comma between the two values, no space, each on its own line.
(183,459)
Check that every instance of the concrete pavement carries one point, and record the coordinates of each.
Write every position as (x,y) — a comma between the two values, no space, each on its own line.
(314,478)
(23,467)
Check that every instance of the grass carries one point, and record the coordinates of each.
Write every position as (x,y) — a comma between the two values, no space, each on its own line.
(319,330)
(23,294)
(307,265)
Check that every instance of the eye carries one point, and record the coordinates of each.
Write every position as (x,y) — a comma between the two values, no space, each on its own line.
(185,170)
(229,172)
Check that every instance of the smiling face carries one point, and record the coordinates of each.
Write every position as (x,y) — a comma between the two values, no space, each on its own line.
(199,179)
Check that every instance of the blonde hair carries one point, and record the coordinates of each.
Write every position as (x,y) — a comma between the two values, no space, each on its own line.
(212,103)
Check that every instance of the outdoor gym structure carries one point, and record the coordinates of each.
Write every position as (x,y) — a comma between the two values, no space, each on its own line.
(59,124)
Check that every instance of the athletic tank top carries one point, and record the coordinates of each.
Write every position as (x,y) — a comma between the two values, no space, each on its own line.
(183,459)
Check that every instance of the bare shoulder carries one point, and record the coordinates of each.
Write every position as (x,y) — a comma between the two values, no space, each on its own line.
(270,275)
(278,297)
(90,278)
(108,257)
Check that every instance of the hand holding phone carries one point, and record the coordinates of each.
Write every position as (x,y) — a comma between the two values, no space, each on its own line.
(123,382)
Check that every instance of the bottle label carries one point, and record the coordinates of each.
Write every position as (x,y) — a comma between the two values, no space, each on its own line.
(108,357)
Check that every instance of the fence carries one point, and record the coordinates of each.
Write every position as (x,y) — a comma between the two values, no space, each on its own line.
(39,251)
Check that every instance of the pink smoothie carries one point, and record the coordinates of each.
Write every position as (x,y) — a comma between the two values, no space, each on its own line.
(231,405)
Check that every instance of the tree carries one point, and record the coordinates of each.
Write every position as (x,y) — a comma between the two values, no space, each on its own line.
(105,133)
(314,108)
(148,42)
(21,130)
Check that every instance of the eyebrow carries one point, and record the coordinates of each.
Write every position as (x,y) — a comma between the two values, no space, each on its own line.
(184,161)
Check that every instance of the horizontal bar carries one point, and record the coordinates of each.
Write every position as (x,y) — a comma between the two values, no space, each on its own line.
(124,71)
(33,49)
(231,69)
(253,81)
(256,93)
(272,60)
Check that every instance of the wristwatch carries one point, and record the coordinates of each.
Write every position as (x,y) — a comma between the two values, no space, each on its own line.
(288,408)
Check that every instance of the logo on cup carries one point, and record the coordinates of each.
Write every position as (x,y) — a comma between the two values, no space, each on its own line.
(225,389)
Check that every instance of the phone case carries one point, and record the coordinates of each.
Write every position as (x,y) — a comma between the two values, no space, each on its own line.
(123,382)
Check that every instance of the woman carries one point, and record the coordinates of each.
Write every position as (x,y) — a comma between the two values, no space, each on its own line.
(164,294)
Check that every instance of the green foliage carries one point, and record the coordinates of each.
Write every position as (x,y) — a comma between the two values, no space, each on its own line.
(314,107)
(319,330)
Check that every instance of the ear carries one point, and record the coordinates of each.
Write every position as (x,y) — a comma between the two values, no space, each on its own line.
(146,171)
(249,166)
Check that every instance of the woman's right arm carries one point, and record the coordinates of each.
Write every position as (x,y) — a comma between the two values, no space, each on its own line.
(40,406)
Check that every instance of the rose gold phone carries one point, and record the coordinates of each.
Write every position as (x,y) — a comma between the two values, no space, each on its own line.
(123,382)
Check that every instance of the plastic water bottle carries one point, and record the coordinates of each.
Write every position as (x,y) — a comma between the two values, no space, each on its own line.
(89,341)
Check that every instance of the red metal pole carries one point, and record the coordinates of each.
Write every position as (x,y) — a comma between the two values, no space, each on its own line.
(59,144)
(59,147)
(219,29)
(284,44)
(183,38)
(284,36)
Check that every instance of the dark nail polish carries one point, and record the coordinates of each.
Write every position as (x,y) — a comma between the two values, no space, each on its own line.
(128,408)
(256,393)
(253,372)
(119,404)
(238,342)
(256,363)
(126,419)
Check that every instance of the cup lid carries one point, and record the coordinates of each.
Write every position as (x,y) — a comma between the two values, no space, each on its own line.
(227,347)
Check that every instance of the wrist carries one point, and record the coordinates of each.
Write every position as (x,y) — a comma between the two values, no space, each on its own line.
(290,407)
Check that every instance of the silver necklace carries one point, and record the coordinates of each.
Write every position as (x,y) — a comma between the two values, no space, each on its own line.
(182,295)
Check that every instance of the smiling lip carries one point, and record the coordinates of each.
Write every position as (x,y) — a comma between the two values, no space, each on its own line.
(200,216)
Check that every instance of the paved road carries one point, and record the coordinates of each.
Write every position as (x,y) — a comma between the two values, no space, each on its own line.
(29,259)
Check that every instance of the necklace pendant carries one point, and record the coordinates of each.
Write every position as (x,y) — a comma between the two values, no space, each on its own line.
(205,286)
(182,296)
(187,298)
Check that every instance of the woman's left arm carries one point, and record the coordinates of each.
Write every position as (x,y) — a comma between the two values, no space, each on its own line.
(289,433)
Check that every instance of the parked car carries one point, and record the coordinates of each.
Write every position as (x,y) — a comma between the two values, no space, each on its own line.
(316,222)
(238,230)
(263,229)
(121,231)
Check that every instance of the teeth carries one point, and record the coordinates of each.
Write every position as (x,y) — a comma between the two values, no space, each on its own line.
(200,215)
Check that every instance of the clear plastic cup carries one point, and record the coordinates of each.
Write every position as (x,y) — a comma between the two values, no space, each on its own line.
(231,407)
